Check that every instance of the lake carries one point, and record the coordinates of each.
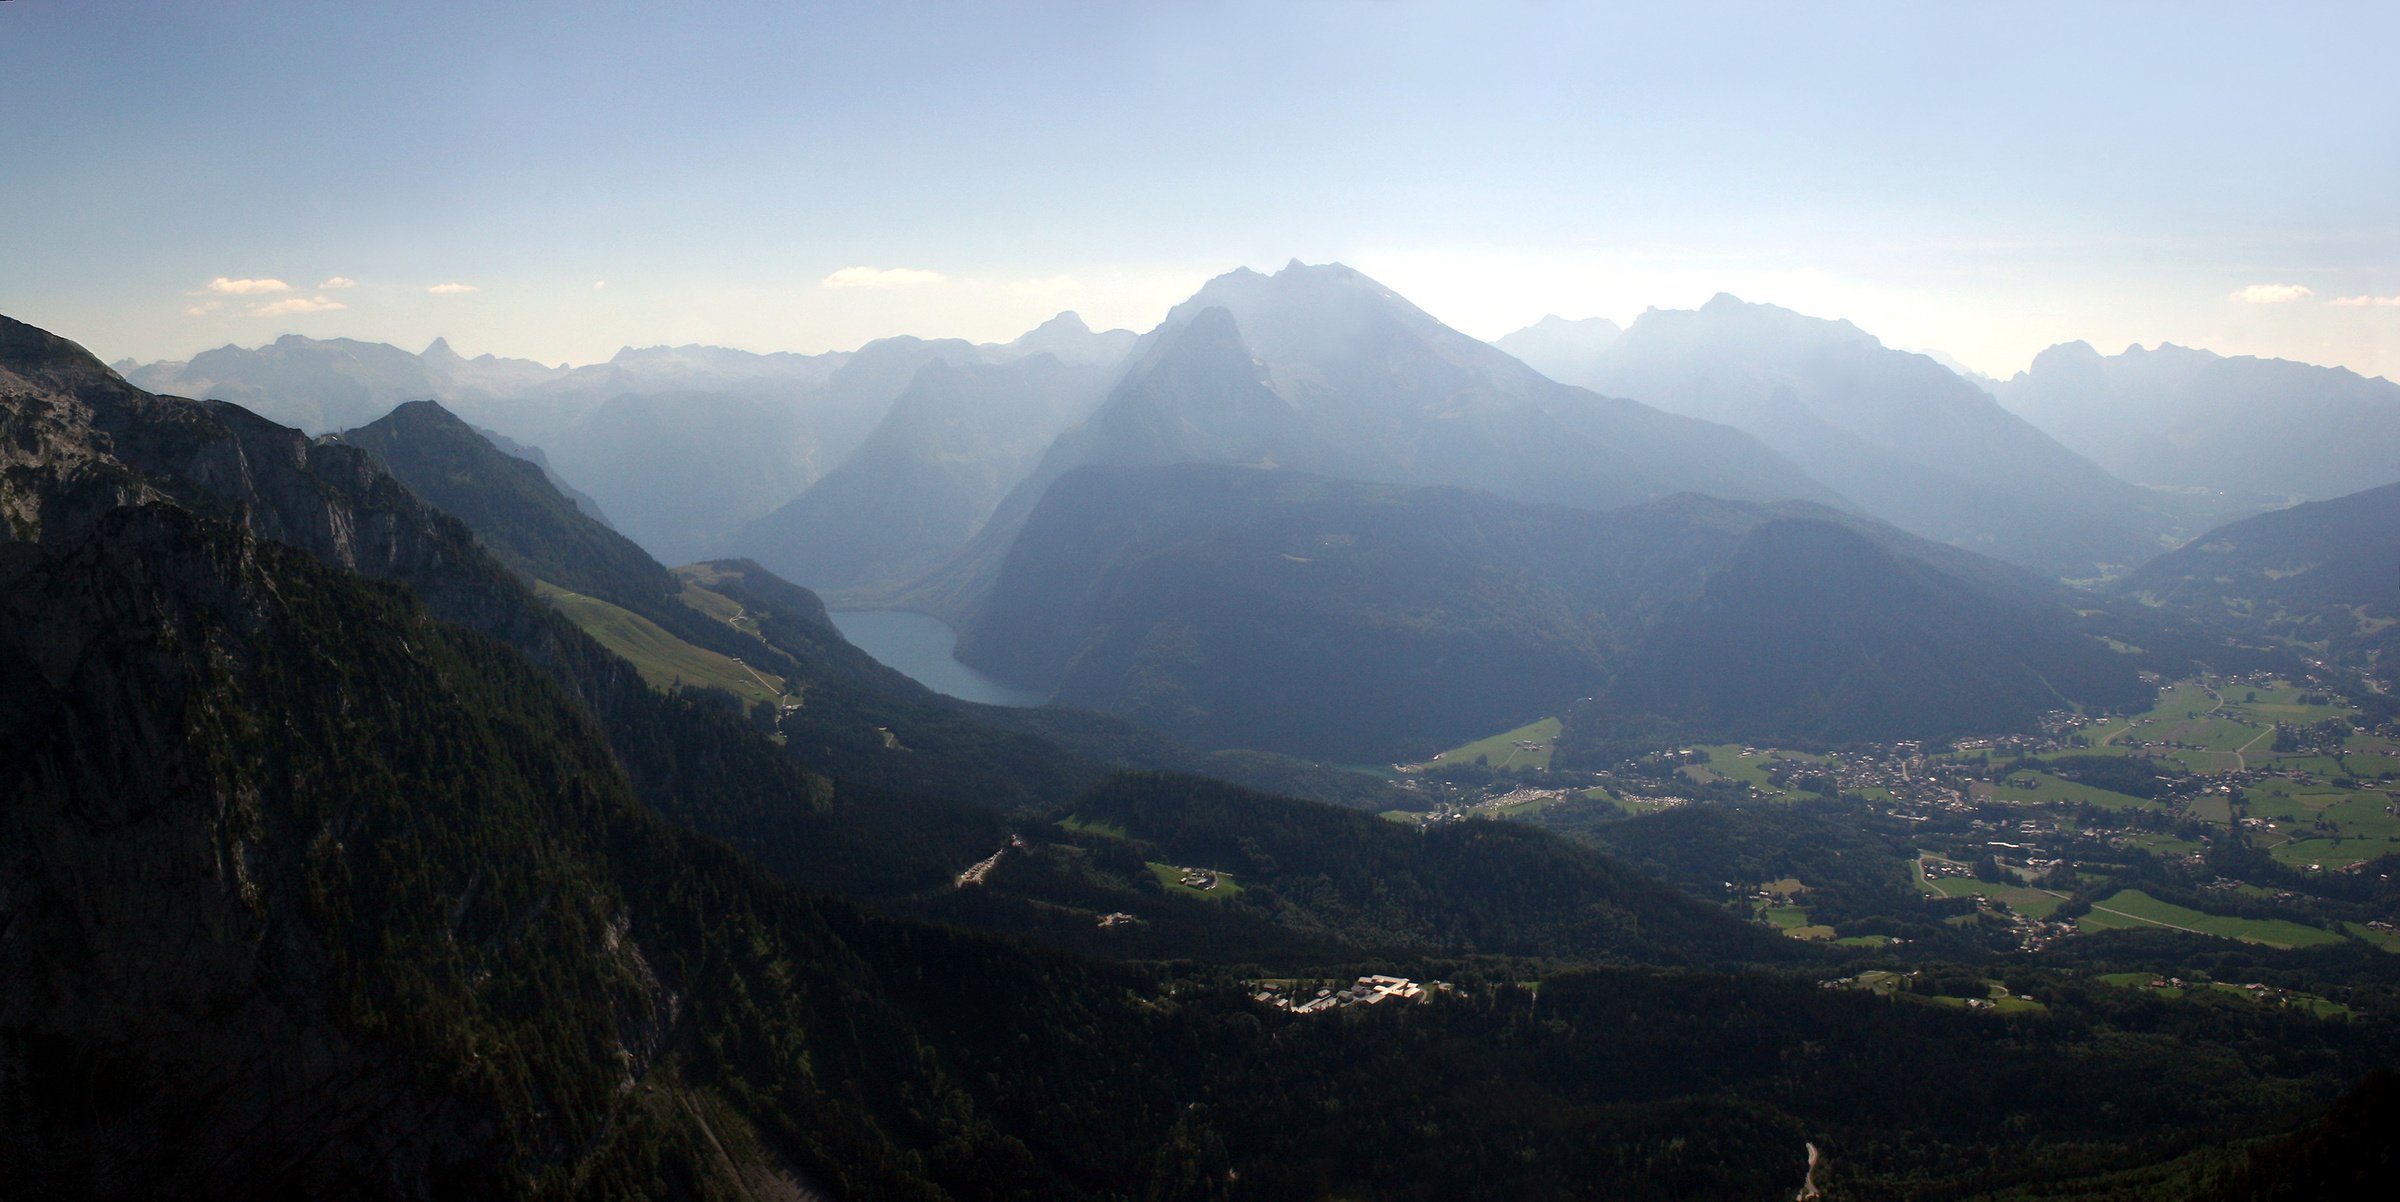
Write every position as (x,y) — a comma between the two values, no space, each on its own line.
(919,646)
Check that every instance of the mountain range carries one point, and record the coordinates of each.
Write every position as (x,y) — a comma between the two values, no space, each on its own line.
(2265,430)
(1321,369)
(679,445)
(346,851)
(1901,437)
(955,440)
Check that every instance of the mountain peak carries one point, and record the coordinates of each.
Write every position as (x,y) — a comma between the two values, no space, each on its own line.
(37,355)
(1067,322)
(439,351)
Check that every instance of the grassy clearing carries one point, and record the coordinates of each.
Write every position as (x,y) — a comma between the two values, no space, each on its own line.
(663,660)
(2032,903)
(2132,909)
(1793,922)
(2161,845)
(2201,987)
(2387,940)
(2041,788)
(1171,877)
(1998,998)
(1501,750)
(1726,761)
(1081,825)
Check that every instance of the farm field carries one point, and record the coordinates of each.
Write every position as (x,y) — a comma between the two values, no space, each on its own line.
(1501,751)
(1726,762)
(663,660)
(2030,787)
(2387,940)
(2132,909)
(2025,900)
(2318,828)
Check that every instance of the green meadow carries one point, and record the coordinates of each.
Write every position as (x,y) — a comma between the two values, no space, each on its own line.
(1501,750)
(2132,909)
(663,660)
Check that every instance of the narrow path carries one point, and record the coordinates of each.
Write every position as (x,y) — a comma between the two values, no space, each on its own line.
(2151,921)
(2241,763)
(771,690)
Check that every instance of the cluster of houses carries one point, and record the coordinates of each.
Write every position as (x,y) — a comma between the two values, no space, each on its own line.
(1368,991)
(1198,878)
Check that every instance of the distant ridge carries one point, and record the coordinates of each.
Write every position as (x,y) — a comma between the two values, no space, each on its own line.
(2269,429)
(1903,437)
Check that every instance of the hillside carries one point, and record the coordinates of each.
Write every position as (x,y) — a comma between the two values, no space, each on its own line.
(2265,430)
(1904,438)
(733,626)
(1245,607)
(2321,573)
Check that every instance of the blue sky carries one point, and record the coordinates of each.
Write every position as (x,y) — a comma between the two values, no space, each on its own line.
(1981,180)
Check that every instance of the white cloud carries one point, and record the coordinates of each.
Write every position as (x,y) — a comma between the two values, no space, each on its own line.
(246,287)
(297,304)
(599,285)
(2390,302)
(882,277)
(2272,294)
(339,281)
(204,308)
(452,289)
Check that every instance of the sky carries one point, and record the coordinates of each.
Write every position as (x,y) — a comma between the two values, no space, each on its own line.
(557,180)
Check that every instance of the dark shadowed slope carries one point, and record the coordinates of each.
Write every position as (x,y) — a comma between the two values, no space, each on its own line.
(1246,607)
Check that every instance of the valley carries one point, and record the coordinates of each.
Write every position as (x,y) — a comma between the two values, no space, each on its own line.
(1608,817)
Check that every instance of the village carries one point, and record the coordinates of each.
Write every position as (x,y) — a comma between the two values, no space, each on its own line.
(1366,991)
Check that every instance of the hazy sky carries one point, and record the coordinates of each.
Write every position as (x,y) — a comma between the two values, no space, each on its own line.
(557,180)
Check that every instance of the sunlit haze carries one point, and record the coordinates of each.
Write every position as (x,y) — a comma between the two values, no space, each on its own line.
(558,180)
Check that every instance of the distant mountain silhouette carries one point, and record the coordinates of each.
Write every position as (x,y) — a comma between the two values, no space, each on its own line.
(2195,419)
(1905,438)
(680,445)
(1563,350)
(953,444)
(1321,369)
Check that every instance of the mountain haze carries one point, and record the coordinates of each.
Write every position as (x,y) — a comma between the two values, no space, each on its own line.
(1906,439)
(2258,428)
(956,439)
(1562,349)
(1321,369)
